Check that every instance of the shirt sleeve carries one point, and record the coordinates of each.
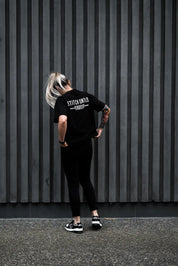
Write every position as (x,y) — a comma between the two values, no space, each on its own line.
(60,108)
(96,104)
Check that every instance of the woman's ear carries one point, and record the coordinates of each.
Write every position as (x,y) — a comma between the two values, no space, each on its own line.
(69,82)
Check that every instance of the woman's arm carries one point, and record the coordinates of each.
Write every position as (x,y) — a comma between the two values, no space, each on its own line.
(104,118)
(62,128)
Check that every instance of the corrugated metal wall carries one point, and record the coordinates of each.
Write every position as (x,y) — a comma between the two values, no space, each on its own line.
(122,51)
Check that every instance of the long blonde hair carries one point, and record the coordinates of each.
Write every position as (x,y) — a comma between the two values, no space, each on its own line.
(51,93)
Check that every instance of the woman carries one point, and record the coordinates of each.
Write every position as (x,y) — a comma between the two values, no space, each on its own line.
(74,113)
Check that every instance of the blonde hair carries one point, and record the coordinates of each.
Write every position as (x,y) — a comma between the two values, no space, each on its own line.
(51,93)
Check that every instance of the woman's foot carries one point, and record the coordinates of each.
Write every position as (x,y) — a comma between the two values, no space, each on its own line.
(72,227)
(96,223)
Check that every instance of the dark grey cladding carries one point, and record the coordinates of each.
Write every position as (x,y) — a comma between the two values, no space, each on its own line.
(122,51)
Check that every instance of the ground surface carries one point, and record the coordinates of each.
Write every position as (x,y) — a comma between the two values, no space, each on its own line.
(129,241)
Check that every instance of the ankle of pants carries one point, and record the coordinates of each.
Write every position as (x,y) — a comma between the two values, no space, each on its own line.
(93,208)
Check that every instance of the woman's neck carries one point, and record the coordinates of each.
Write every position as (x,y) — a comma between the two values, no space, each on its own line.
(67,88)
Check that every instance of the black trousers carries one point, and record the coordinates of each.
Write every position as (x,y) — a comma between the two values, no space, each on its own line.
(76,161)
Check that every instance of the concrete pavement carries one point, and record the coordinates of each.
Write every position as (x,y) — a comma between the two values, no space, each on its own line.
(121,241)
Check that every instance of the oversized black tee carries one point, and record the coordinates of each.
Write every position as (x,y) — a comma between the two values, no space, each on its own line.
(79,108)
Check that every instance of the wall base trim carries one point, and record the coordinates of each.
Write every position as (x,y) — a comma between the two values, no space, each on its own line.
(61,210)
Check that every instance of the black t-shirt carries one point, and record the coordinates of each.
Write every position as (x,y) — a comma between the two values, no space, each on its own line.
(79,108)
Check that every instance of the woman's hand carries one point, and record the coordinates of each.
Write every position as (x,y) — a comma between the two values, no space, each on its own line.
(64,145)
(99,131)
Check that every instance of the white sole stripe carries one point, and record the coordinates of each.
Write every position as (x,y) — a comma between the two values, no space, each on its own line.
(74,230)
(95,222)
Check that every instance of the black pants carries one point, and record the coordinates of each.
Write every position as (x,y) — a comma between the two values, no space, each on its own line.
(76,161)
